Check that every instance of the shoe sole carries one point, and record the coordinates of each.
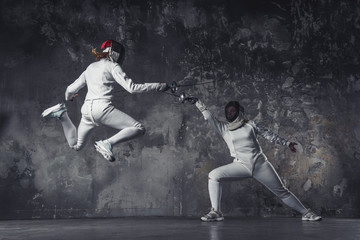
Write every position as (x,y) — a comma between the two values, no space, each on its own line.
(212,220)
(50,110)
(104,153)
(311,220)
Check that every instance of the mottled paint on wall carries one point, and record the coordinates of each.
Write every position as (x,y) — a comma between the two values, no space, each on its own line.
(292,64)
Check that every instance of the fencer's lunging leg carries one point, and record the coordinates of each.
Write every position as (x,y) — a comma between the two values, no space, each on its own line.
(129,127)
(265,173)
(126,134)
(109,116)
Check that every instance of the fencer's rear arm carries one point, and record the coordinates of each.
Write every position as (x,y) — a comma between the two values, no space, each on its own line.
(73,88)
(269,135)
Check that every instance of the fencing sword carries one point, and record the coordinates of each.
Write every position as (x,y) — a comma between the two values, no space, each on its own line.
(174,86)
(183,97)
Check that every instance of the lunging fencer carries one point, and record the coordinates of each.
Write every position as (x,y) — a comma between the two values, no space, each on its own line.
(240,135)
(100,79)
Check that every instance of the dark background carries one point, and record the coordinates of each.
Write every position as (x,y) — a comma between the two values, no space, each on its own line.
(294,65)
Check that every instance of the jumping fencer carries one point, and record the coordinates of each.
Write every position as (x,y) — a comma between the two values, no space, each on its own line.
(100,78)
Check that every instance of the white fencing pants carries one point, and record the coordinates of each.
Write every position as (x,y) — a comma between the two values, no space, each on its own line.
(100,112)
(263,172)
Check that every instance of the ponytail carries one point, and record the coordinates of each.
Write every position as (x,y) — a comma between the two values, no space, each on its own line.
(99,55)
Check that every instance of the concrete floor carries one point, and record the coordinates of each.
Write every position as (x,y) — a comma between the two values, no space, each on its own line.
(157,228)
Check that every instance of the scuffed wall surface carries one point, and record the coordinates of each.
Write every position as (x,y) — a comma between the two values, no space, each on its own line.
(292,64)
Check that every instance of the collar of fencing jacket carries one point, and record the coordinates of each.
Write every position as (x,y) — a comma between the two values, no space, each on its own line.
(237,123)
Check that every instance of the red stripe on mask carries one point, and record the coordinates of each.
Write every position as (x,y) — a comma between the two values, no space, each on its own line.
(106,44)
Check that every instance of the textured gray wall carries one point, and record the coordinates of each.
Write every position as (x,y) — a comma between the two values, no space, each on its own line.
(294,65)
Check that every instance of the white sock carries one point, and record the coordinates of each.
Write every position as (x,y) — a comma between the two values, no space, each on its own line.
(215,191)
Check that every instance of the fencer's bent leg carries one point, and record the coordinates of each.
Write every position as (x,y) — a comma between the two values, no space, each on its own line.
(69,129)
(265,173)
(84,130)
(77,138)
(215,191)
(232,170)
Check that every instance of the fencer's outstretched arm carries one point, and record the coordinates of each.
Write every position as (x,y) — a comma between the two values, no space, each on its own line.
(73,88)
(218,126)
(127,83)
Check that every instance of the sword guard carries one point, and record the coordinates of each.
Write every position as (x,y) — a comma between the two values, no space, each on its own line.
(184,98)
(173,87)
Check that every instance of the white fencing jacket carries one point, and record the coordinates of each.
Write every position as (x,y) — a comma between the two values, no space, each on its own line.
(242,142)
(101,77)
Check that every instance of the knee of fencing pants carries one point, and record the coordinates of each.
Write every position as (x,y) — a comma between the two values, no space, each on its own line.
(213,175)
(141,128)
(285,195)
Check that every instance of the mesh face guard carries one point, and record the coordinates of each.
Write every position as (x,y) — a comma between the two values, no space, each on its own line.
(239,109)
(116,50)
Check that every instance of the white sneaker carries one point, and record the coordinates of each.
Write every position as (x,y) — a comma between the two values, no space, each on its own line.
(55,111)
(310,216)
(104,148)
(213,216)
